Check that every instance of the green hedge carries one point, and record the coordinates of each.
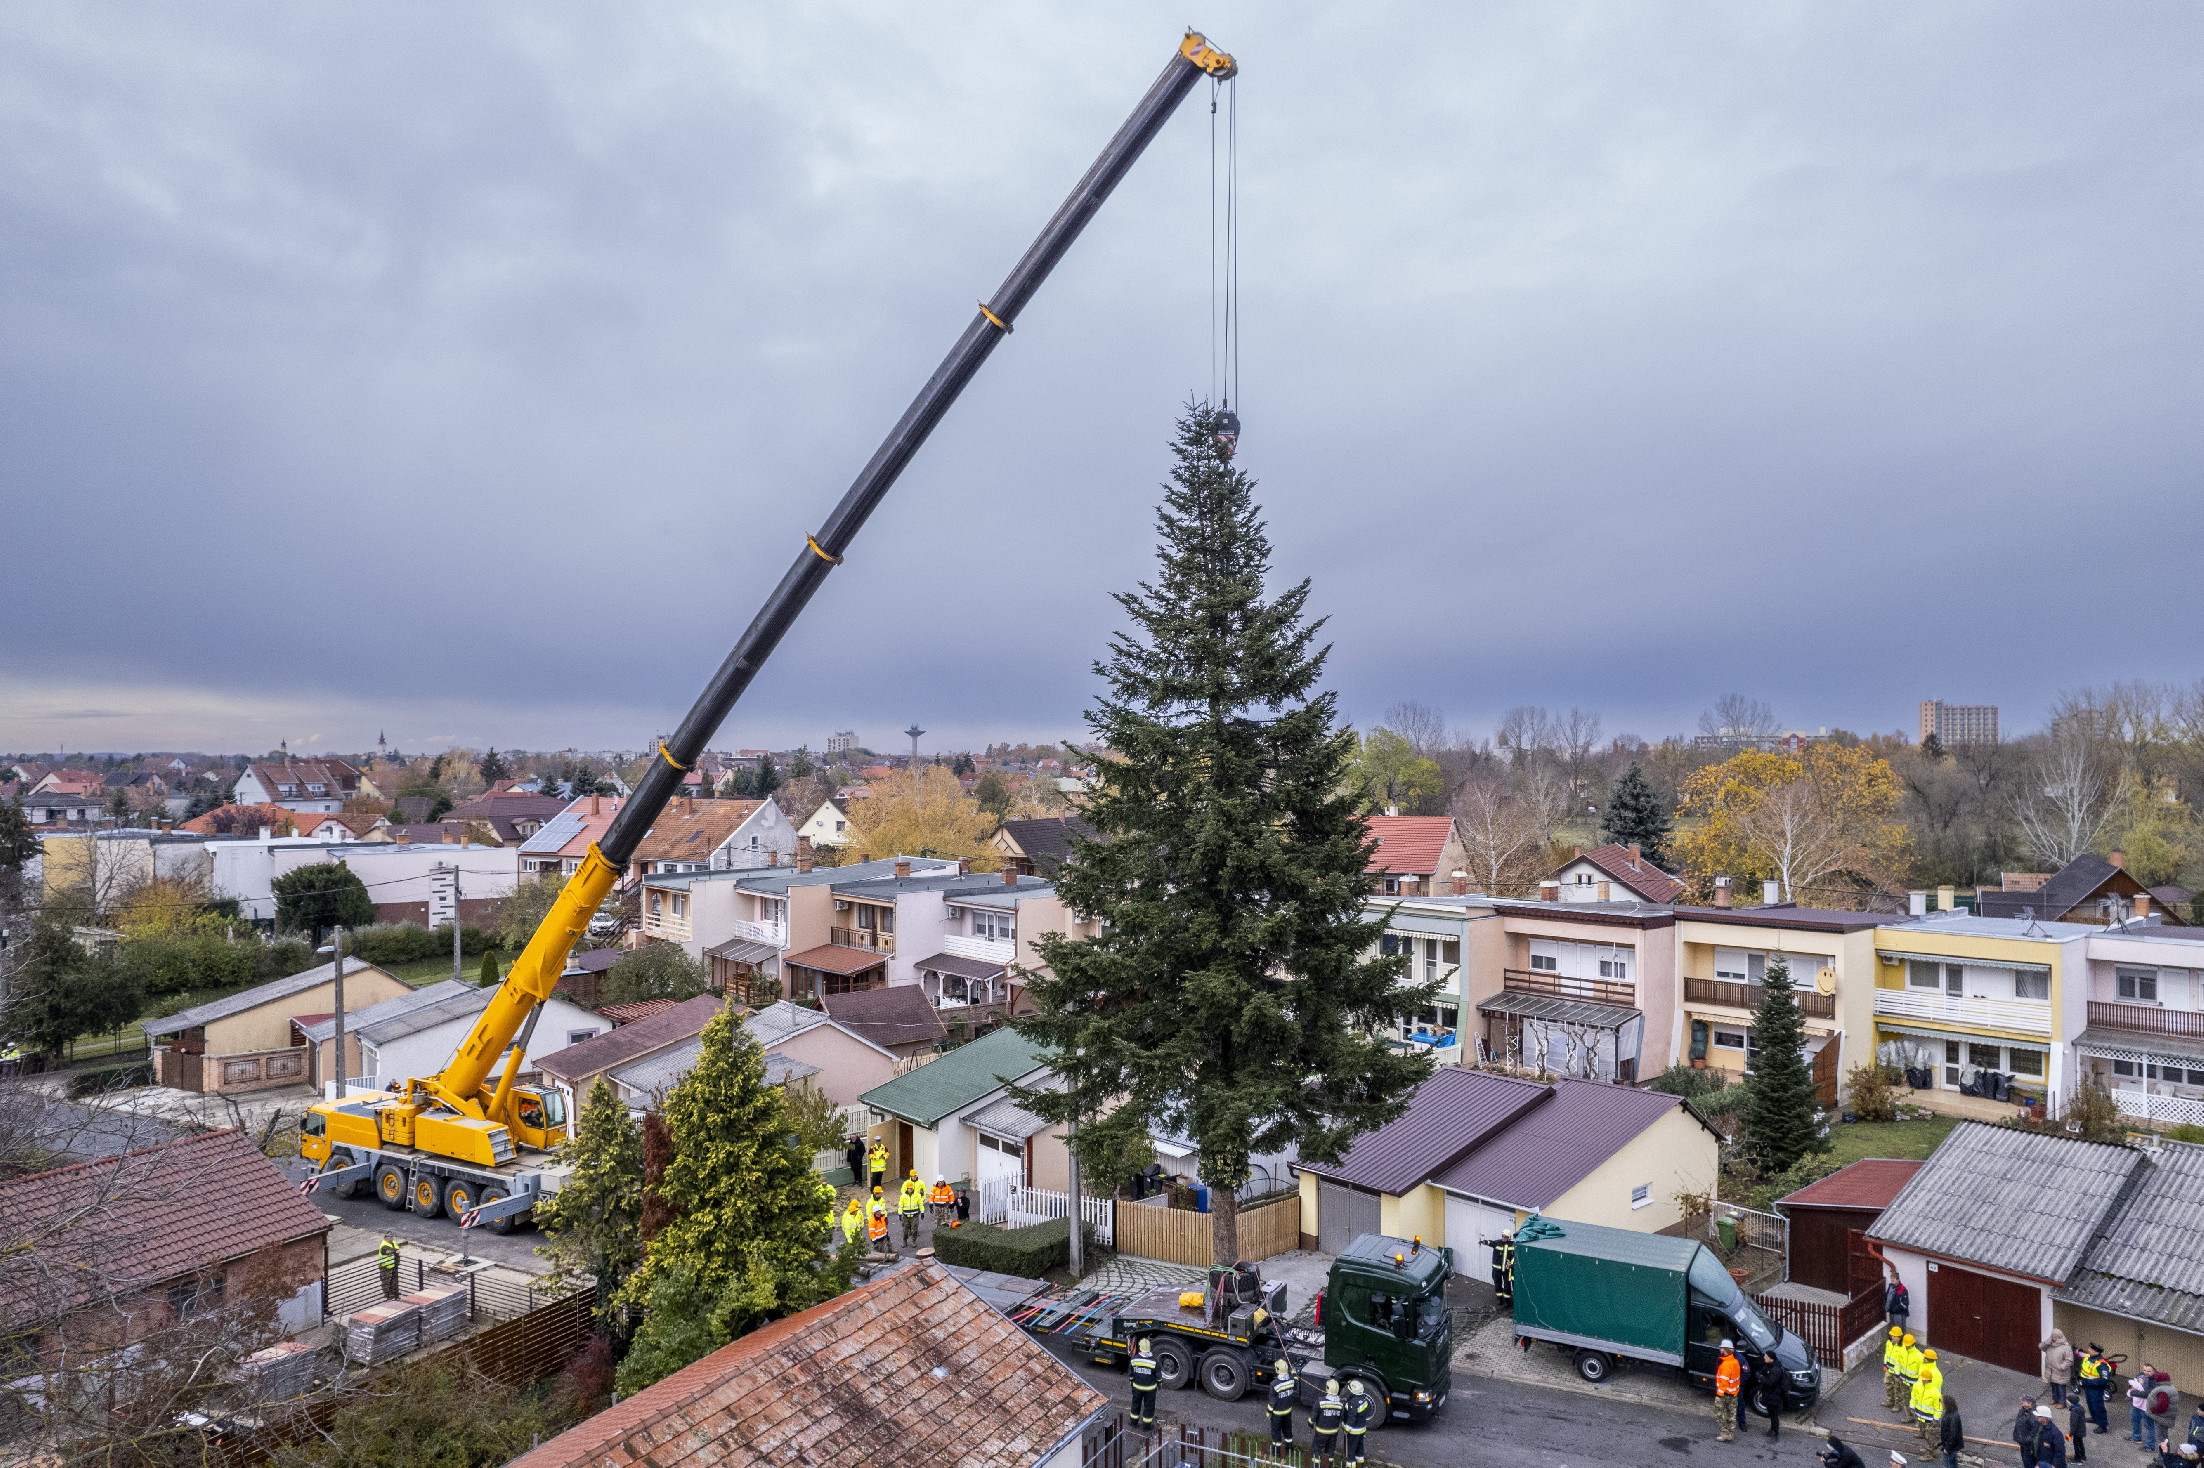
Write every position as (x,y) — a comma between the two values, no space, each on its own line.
(389,943)
(1028,1252)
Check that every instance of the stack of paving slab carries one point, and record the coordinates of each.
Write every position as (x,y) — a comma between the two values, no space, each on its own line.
(443,1310)
(382,1332)
(279,1373)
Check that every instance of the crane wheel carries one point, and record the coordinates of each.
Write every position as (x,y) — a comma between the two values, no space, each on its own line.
(390,1186)
(428,1198)
(498,1225)
(342,1158)
(459,1196)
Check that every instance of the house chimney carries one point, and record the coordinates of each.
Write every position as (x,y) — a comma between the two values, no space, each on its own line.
(1635,854)
(964,866)
(1917,902)
(1721,892)
(1770,893)
(773,857)
(863,857)
(902,866)
(1010,876)
(2117,858)
(2142,906)
(1947,899)
(1408,886)
(1549,890)
(1461,884)
(593,800)
(1600,891)
(803,853)
(1575,852)
(688,805)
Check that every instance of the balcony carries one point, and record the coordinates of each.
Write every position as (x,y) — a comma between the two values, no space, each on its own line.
(773,933)
(866,938)
(2146,1019)
(983,950)
(2016,1016)
(1747,996)
(1560,986)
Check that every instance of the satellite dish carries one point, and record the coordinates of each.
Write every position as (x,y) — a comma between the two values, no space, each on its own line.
(1825,981)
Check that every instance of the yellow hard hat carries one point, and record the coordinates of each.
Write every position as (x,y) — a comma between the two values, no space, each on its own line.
(1908,1340)
(1929,1355)
(1895,1332)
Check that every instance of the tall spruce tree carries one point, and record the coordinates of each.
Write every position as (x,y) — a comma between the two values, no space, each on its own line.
(1232,992)
(746,1241)
(1636,817)
(1780,1108)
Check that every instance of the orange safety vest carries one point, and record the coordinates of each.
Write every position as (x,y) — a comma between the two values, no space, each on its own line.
(1728,1377)
(878,1227)
(943,1193)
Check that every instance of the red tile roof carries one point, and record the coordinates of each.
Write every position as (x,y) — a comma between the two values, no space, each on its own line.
(139,1220)
(242,821)
(1409,844)
(1634,872)
(912,1368)
(627,1014)
(1873,1182)
(694,833)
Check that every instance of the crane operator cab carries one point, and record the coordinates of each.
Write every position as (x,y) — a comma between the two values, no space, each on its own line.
(539,1117)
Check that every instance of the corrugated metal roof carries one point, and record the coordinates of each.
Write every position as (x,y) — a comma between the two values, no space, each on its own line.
(1550,1149)
(966,1074)
(1872,1182)
(1006,1118)
(2026,1203)
(780,1019)
(1451,1112)
(1560,1011)
(369,1024)
(2148,1261)
(963,968)
(253,998)
(632,1041)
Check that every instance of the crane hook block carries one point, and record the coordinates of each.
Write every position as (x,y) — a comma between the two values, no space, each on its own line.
(1196,48)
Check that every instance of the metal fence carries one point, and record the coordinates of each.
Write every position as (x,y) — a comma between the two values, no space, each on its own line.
(1116,1444)
(1755,1230)
(493,1293)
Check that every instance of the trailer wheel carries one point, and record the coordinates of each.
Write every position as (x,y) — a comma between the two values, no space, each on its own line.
(1224,1375)
(1594,1366)
(1174,1363)
(428,1198)
(390,1185)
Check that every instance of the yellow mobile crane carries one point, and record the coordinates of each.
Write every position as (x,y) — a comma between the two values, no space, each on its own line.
(456,1142)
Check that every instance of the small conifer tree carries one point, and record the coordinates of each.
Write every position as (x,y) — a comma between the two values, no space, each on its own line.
(1636,817)
(1781,1118)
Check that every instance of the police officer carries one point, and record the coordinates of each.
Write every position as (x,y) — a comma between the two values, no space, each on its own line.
(1325,1421)
(1894,1360)
(1359,1412)
(386,1260)
(1142,1368)
(911,1204)
(1285,1392)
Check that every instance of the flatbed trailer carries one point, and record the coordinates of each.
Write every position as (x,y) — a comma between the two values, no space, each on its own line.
(1226,1351)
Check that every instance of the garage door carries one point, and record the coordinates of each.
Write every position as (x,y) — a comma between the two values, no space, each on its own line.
(1991,1320)
(1342,1213)
(1466,1223)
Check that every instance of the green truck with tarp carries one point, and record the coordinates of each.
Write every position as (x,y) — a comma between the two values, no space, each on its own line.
(1609,1295)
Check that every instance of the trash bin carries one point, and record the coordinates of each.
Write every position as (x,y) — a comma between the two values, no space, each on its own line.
(1726,1229)
(1201,1198)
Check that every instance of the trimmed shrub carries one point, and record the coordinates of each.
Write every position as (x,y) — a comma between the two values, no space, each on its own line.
(396,943)
(1028,1252)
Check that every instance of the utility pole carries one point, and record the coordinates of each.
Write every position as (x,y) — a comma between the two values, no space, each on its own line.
(339,966)
(458,972)
(1078,1237)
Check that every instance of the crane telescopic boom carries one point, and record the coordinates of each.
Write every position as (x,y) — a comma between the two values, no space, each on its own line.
(464,1084)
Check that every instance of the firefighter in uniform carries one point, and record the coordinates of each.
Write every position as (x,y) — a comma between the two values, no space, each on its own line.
(1928,1403)
(1895,1395)
(876,1163)
(876,1226)
(1324,1423)
(1728,1377)
(1359,1413)
(1142,1368)
(853,1220)
(910,1202)
(943,1199)
(1909,1371)
(1503,1268)
(1285,1393)
(386,1260)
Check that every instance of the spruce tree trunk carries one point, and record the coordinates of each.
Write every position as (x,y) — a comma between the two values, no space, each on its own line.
(1224,1226)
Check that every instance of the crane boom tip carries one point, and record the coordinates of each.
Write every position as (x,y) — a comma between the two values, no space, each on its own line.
(1196,48)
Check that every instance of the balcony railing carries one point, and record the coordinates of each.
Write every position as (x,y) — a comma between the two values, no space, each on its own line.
(984,950)
(2019,1016)
(2146,1019)
(1561,986)
(1747,996)
(773,933)
(868,938)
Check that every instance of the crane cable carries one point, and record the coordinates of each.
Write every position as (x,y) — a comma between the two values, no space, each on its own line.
(1224,254)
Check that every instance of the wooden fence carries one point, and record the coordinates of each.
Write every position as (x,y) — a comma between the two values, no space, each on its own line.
(1828,1329)
(1178,1236)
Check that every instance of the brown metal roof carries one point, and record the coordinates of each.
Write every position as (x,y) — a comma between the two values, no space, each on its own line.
(832,959)
(963,968)
(1452,1111)
(897,1015)
(911,1368)
(1551,1148)
(1873,1182)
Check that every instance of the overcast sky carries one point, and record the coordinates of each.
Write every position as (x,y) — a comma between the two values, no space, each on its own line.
(467,372)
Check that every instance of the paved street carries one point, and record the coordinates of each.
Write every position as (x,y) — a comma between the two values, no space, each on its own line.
(1488,1421)
(371,1218)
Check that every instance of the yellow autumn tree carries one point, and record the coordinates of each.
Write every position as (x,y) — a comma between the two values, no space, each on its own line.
(922,812)
(1801,819)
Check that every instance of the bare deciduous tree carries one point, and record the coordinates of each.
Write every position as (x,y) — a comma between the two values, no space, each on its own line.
(1505,836)
(2073,793)
(1525,730)
(1423,726)
(1735,713)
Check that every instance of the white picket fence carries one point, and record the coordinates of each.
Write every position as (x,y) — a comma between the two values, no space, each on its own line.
(852,1123)
(999,1200)
(2147,1107)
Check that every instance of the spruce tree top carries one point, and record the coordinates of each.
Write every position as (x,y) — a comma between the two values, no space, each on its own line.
(1636,817)
(1230,993)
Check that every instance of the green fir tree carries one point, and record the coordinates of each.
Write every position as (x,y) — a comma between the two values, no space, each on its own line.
(487,978)
(1637,817)
(748,1241)
(1232,994)
(1782,1123)
(799,764)
(590,1224)
(494,768)
(767,780)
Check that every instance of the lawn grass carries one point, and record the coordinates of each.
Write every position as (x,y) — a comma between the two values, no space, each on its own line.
(425,971)
(1905,1139)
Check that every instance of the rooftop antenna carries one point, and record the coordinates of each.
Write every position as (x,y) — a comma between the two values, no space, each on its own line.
(913,732)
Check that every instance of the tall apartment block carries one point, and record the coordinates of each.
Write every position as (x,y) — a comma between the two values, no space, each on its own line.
(1956,723)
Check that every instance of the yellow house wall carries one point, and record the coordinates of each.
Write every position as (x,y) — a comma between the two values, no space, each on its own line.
(1308,1206)
(1422,1212)
(268,1026)
(810,914)
(2177,1353)
(1968,948)
(1674,1155)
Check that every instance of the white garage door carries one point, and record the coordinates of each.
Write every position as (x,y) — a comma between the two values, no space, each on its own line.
(1466,1223)
(1001,1159)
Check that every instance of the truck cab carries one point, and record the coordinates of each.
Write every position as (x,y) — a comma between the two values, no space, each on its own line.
(1720,1311)
(1385,1319)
